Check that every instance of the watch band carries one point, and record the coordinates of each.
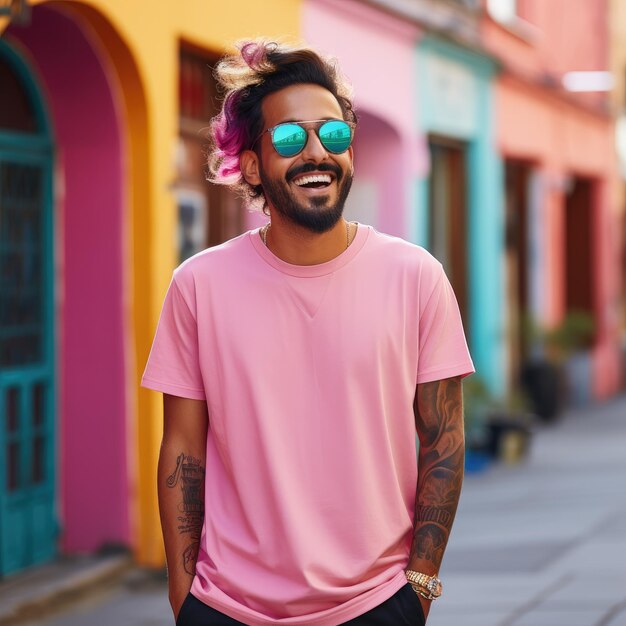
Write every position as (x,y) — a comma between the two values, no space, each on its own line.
(429,587)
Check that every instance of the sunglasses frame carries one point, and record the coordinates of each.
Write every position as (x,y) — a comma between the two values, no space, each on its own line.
(320,123)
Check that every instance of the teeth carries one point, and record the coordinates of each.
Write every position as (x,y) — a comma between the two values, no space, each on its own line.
(318,178)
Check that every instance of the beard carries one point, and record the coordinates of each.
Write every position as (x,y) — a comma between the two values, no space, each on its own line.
(318,216)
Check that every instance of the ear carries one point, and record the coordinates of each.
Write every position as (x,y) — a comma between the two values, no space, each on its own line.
(249,166)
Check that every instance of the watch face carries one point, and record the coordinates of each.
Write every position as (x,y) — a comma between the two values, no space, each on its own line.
(435,587)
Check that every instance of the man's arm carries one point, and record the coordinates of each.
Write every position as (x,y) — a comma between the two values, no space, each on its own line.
(182,462)
(438,409)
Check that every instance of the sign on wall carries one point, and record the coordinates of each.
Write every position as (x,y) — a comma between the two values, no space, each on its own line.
(450,98)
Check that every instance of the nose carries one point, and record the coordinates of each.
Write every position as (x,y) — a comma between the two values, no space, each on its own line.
(314,150)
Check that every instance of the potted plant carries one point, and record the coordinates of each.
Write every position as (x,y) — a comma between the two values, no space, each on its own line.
(557,358)
(509,428)
(541,375)
(571,341)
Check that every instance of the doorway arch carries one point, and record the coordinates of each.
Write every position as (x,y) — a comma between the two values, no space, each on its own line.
(102,145)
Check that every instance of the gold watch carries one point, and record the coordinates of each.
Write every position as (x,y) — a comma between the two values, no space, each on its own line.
(429,587)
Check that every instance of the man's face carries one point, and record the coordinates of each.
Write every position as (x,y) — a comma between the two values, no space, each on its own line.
(317,208)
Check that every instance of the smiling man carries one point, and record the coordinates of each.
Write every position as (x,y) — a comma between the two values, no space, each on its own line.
(297,362)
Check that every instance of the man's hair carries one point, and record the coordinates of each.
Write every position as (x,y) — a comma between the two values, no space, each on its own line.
(260,68)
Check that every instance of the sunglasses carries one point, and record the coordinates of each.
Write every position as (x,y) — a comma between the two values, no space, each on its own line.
(290,138)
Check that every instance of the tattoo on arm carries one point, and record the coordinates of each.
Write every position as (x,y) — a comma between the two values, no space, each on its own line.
(189,473)
(439,421)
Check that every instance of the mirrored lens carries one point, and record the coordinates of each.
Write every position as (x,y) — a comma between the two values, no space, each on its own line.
(288,139)
(336,136)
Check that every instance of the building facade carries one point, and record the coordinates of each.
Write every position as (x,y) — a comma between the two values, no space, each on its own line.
(457,208)
(562,254)
(99,106)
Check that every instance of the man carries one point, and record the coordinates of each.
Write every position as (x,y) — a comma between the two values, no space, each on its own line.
(297,361)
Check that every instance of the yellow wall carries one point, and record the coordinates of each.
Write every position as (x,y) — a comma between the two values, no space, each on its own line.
(139,43)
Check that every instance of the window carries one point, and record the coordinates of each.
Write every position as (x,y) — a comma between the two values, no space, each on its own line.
(207,214)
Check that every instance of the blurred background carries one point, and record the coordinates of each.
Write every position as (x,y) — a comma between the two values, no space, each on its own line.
(491,132)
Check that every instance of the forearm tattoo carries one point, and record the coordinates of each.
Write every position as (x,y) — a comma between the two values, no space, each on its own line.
(189,474)
(439,421)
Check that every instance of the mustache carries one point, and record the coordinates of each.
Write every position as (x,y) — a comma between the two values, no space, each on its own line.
(305,168)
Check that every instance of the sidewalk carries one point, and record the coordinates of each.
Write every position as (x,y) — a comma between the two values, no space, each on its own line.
(544,543)
(32,594)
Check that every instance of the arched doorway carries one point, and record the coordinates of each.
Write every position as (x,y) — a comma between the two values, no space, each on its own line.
(76,54)
(27,374)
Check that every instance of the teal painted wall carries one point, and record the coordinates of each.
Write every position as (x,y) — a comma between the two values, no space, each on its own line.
(455,100)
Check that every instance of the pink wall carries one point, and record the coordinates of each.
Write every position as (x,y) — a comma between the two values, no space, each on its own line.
(89,289)
(381,95)
(376,148)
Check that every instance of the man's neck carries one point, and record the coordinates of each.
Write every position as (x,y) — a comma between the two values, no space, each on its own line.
(300,246)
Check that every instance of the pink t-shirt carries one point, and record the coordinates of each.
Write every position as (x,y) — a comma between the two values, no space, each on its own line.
(309,373)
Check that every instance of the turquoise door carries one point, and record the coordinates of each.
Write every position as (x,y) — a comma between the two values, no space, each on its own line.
(28,526)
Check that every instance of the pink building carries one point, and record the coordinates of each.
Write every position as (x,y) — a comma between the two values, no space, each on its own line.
(562,252)
(377,52)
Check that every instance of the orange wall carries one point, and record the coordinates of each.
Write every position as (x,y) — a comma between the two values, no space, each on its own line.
(563,135)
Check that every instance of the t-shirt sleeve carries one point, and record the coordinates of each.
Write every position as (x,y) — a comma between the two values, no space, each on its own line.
(443,351)
(173,365)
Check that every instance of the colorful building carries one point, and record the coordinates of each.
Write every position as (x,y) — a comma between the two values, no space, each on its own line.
(512,184)
(458,209)
(562,251)
(100,101)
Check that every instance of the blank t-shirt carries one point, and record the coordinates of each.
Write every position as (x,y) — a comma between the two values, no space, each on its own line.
(309,374)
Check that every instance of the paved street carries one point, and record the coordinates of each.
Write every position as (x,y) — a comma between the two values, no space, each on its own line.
(538,544)
(139,600)
(544,544)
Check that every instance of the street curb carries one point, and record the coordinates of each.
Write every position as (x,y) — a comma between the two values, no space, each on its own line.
(62,591)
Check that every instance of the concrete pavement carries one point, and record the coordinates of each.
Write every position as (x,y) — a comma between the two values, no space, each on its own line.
(33,594)
(544,543)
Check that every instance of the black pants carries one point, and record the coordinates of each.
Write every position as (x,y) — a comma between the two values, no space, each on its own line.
(402,609)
